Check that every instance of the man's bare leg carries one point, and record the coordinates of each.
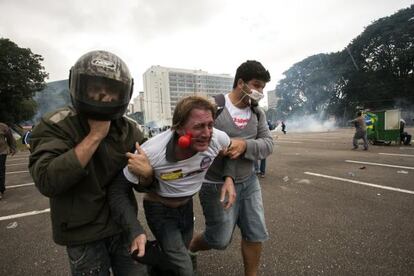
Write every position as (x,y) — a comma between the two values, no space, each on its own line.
(251,252)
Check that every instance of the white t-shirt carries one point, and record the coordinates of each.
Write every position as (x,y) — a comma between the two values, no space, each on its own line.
(240,116)
(184,177)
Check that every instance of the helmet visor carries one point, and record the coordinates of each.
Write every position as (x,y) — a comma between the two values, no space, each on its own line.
(102,90)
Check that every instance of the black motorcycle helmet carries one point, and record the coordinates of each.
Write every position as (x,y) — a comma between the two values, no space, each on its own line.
(100,86)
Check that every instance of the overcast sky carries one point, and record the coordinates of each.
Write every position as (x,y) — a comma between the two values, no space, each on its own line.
(212,35)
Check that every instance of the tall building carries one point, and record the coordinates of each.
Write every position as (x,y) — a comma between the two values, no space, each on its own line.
(164,87)
(272,99)
(138,102)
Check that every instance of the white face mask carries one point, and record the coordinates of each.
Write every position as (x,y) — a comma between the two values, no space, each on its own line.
(254,94)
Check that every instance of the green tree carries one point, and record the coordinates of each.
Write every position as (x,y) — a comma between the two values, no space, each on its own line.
(308,86)
(21,75)
(380,63)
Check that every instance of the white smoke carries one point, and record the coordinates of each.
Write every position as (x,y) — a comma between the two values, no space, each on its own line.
(308,123)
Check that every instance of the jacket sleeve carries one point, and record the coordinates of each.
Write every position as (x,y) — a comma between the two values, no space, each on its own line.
(53,164)
(124,208)
(262,146)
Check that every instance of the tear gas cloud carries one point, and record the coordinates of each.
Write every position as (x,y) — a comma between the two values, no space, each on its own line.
(308,123)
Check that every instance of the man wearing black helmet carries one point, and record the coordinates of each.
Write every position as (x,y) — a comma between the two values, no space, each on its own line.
(76,152)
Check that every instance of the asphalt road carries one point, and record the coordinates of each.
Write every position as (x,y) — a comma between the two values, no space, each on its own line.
(329,211)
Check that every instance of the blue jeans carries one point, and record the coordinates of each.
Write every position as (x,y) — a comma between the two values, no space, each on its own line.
(262,166)
(173,228)
(247,213)
(97,257)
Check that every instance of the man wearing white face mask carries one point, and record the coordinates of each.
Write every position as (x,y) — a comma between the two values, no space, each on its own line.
(246,124)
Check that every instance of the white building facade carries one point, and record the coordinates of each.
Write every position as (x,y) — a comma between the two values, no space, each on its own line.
(164,87)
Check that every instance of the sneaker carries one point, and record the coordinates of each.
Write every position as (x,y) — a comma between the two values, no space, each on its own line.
(152,254)
(1,195)
(354,148)
(262,175)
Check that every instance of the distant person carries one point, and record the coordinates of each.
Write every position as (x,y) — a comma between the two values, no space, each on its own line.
(360,131)
(26,138)
(178,171)
(405,138)
(246,124)
(7,146)
(260,165)
(283,127)
(76,153)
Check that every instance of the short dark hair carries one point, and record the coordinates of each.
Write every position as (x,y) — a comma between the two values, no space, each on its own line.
(359,113)
(249,70)
(186,105)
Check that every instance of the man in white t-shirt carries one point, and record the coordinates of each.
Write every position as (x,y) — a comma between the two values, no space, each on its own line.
(246,124)
(179,158)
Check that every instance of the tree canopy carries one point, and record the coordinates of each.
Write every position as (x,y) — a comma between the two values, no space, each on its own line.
(21,75)
(374,71)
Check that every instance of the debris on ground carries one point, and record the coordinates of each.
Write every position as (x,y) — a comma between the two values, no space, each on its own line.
(362,168)
(12,225)
(402,172)
(286,178)
(351,174)
(304,181)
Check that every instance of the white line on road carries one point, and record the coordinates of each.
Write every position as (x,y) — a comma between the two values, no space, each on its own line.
(307,140)
(379,164)
(20,185)
(17,172)
(8,165)
(406,148)
(396,154)
(362,183)
(15,159)
(32,213)
(289,142)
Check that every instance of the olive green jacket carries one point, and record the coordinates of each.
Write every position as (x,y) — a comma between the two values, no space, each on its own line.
(78,202)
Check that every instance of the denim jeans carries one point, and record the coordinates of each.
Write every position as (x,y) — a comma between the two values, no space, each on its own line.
(173,228)
(247,213)
(262,168)
(96,258)
(3,158)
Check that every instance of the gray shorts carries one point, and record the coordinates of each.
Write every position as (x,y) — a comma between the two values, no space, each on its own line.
(247,213)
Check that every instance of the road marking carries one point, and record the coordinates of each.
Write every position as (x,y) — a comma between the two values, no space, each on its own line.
(289,142)
(396,154)
(379,164)
(17,172)
(15,159)
(20,185)
(308,140)
(362,183)
(8,165)
(32,213)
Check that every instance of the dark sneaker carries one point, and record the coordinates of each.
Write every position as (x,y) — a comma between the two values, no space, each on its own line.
(1,196)
(152,254)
